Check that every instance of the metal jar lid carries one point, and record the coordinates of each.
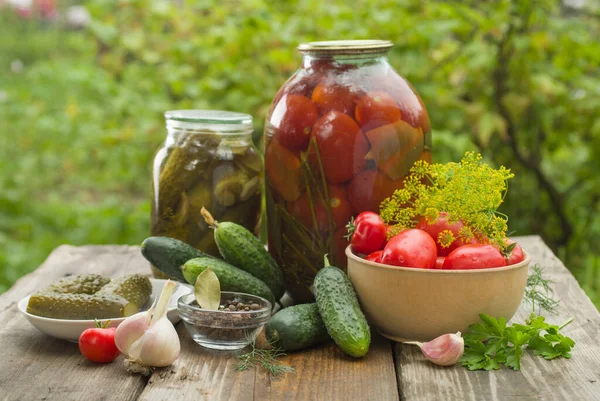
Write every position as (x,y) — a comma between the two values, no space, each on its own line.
(346,47)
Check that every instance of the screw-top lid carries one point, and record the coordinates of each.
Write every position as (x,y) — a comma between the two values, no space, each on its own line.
(346,46)
(225,121)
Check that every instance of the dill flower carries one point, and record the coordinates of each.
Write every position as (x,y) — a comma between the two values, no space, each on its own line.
(469,191)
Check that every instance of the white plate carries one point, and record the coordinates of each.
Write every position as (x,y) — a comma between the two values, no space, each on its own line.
(70,330)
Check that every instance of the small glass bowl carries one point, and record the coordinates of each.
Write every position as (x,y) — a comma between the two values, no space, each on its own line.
(224,330)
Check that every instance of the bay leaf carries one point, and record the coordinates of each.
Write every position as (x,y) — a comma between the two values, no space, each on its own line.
(207,290)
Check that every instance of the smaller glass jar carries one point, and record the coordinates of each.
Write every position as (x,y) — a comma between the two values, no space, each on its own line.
(208,160)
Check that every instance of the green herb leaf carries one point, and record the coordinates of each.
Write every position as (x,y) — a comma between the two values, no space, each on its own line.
(207,290)
(538,291)
(491,344)
(267,358)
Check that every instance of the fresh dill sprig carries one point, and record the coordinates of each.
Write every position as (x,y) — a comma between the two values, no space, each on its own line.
(267,358)
(469,191)
(539,293)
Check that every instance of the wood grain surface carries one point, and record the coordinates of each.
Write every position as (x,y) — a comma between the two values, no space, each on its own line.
(34,366)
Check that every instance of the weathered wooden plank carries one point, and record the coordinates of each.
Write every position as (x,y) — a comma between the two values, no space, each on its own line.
(34,366)
(561,379)
(325,373)
(322,373)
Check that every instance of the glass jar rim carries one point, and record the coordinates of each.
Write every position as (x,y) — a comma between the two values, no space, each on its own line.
(209,116)
(346,46)
(215,121)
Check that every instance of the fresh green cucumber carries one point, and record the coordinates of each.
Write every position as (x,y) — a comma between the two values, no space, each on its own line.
(241,248)
(340,311)
(230,277)
(169,254)
(296,327)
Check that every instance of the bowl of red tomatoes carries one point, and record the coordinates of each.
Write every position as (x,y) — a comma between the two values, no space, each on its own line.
(412,288)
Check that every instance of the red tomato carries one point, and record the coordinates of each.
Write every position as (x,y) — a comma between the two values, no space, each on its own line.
(339,205)
(375,256)
(369,188)
(413,109)
(341,209)
(334,97)
(440,224)
(292,121)
(410,248)
(439,262)
(98,344)
(516,255)
(342,147)
(376,109)
(369,233)
(474,256)
(284,171)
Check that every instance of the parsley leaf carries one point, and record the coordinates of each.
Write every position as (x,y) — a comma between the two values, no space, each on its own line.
(490,345)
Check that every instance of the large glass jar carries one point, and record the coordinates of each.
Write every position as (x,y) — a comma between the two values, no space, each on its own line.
(208,159)
(340,136)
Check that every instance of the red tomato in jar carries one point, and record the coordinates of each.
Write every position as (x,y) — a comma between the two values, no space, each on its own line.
(410,248)
(292,120)
(440,224)
(369,233)
(284,171)
(474,256)
(411,105)
(98,344)
(342,147)
(339,206)
(334,97)
(369,188)
(439,262)
(376,109)
(375,256)
(516,255)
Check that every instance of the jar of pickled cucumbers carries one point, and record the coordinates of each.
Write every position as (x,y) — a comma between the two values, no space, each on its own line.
(208,159)
(340,136)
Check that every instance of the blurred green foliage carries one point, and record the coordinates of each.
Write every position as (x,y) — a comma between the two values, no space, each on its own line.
(518,81)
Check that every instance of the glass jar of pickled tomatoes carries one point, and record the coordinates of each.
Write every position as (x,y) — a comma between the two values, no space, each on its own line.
(340,136)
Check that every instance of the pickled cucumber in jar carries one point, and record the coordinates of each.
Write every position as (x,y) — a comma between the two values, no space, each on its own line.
(208,160)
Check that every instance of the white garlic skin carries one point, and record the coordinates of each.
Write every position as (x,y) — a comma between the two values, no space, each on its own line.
(148,338)
(131,330)
(444,350)
(158,346)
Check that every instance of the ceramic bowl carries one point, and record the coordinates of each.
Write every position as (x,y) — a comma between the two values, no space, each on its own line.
(406,304)
(70,330)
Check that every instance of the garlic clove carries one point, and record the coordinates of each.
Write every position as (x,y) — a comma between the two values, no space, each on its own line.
(131,330)
(148,339)
(444,350)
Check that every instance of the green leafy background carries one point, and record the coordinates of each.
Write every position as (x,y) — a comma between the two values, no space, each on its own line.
(81,120)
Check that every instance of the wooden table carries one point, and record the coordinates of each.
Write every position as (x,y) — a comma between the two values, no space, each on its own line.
(34,366)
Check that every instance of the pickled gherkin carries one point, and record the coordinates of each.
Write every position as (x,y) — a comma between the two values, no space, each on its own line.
(78,284)
(91,296)
(208,160)
(186,160)
(79,306)
(135,288)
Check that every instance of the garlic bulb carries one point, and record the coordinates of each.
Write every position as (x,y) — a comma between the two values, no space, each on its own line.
(148,339)
(444,350)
